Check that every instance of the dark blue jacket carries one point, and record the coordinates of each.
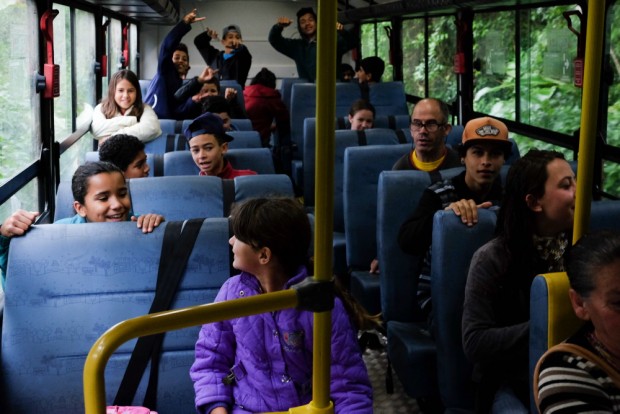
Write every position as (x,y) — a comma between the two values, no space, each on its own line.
(160,94)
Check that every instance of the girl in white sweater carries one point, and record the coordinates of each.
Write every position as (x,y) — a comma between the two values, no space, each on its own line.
(124,112)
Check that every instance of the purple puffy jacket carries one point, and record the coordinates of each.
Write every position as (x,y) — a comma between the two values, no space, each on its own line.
(271,357)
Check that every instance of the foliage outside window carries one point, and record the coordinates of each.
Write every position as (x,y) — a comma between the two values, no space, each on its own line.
(20,140)
(375,42)
(85,79)
(441,50)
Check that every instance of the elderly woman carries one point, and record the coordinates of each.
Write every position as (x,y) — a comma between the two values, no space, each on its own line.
(583,373)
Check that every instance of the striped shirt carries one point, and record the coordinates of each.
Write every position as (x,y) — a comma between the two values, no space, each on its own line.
(570,383)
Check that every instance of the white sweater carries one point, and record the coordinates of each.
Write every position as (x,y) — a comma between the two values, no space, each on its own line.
(145,130)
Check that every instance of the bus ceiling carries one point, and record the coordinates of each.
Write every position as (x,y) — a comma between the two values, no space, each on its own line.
(146,11)
(350,11)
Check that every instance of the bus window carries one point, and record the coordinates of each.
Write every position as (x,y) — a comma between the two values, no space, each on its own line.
(547,49)
(375,42)
(549,99)
(494,69)
(133,50)
(115,46)
(613,111)
(63,108)
(414,61)
(83,82)
(20,139)
(439,69)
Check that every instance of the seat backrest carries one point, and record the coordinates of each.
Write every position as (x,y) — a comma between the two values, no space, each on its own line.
(235,85)
(552,319)
(144,86)
(178,197)
(286,89)
(397,197)
(453,245)
(84,279)
(303,105)
(255,159)
(343,140)
(244,139)
(185,197)
(167,143)
(388,98)
(265,185)
(362,166)
(241,124)
(64,201)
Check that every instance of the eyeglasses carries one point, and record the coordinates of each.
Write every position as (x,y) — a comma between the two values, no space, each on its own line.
(431,126)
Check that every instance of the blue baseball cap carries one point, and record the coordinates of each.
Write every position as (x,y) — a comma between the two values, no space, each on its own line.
(208,123)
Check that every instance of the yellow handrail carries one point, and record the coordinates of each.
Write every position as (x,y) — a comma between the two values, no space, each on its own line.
(94,384)
(324,194)
(589,114)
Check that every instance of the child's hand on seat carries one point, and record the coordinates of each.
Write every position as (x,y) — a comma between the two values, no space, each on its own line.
(148,222)
(18,223)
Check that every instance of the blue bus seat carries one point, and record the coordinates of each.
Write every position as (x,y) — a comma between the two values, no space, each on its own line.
(286,89)
(64,201)
(244,139)
(241,124)
(171,138)
(256,159)
(388,98)
(144,86)
(263,185)
(60,302)
(177,197)
(410,346)
(185,197)
(362,166)
(343,140)
(235,85)
(552,319)
(453,246)
(551,315)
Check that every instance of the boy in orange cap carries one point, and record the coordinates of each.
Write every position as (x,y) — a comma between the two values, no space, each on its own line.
(484,148)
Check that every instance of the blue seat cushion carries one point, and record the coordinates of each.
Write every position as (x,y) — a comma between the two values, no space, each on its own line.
(366,289)
(412,350)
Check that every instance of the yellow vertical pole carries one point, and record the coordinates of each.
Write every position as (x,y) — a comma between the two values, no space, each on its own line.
(589,114)
(324,191)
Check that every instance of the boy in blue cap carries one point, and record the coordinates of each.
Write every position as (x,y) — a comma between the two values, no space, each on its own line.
(208,142)
(233,63)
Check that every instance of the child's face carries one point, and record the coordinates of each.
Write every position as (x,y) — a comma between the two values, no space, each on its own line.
(362,76)
(207,153)
(107,199)
(138,168)
(226,120)
(208,89)
(124,95)
(180,60)
(232,40)
(245,258)
(363,119)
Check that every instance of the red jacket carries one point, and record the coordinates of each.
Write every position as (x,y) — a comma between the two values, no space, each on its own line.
(263,105)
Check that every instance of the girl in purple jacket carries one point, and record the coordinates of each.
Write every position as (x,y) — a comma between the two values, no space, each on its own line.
(263,362)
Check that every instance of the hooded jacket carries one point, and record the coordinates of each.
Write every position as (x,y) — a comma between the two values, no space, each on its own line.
(270,355)
(263,105)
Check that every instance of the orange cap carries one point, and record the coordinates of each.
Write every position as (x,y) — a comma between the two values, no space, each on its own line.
(484,129)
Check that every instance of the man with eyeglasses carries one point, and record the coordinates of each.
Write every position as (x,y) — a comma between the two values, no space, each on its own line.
(429,128)
(484,148)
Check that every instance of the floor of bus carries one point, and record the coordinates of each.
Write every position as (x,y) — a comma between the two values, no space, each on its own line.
(384,403)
